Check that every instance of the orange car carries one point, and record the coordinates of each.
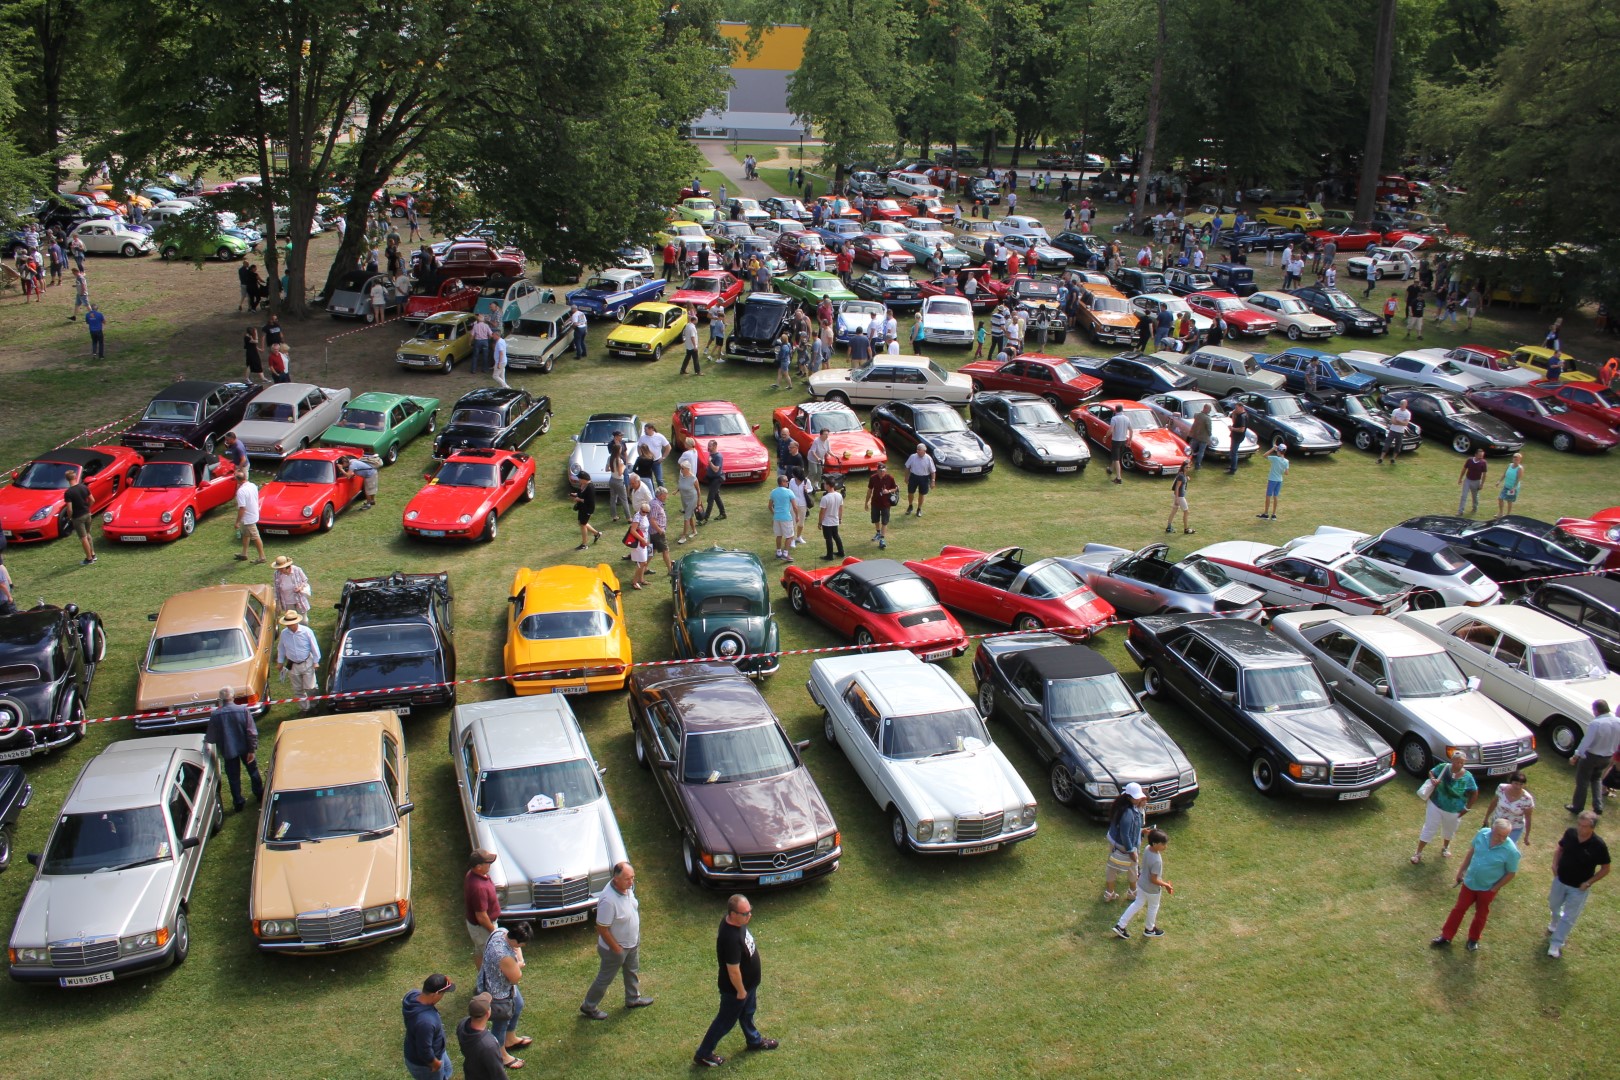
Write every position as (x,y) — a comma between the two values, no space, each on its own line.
(223,635)
(565,631)
(1106,315)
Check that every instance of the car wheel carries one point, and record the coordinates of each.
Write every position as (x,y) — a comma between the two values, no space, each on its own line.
(449,366)
(986,699)
(1415,756)
(528,491)
(182,938)
(1364,440)
(658,353)
(188,522)
(433,422)
(839,396)
(1063,789)
(1056,402)
(863,638)
(796,600)
(727,645)
(898,831)
(1563,443)
(64,522)
(95,643)
(978,387)
(1128,460)
(1027,623)
(210,445)
(391,455)
(1563,735)
(1293,333)
(491,527)
(5,846)
(1462,444)
(1019,458)
(169,252)
(827,730)
(328,517)
(218,821)
(545,424)
(1152,681)
(222,253)
(371,315)
(689,860)
(1341,327)
(545,366)
(129,251)
(641,752)
(1426,600)
(1263,771)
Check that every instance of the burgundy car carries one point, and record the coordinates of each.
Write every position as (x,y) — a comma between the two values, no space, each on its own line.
(1051,377)
(1592,399)
(475,260)
(1537,410)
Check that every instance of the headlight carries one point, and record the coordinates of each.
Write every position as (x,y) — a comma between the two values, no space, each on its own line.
(1527,745)
(410,515)
(1470,753)
(107,518)
(41,514)
(384,913)
(725,861)
(308,511)
(399,358)
(143,942)
(1187,779)
(166,517)
(1102,791)
(923,830)
(942,831)
(1307,772)
(1041,450)
(1028,817)
(278,928)
(1147,455)
(826,843)
(31,956)
(464,518)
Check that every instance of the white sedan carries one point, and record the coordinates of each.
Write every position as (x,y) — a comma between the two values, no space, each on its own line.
(947,320)
(1292,316)
(892,378)
(288,417)
(1391,262)
(109,236)
(1416,367)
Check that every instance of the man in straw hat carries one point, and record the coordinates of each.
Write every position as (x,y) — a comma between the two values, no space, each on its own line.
(292,586)
(299,654)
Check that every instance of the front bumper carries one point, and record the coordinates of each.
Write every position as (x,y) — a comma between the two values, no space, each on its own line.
(1334,792)
(365,938)
(821,867)
(427,363)
(973,847)
(141,535)
(32,741)
(290,527)
(119,969)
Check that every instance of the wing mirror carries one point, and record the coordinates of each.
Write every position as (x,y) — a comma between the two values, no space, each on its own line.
(1473,682)
(666,764)
(405,808)
(152,617)
(1381,689)
(803,744)
(189,842)
(1229,696)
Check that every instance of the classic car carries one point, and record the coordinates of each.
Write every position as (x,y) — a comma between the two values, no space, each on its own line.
(646,331)
(332,861)
(723,611)
(1514,547)
(852,448)
(809,286)
(773,229)
(1037,253)
(1416,367)
(476,259)
(1601,403)
(919,745)
(891,378)
(1300,218)
(1392,262)
(955,449)
(1133,374)
(885,210)
(288,417)
(1601,529)
(1084,724)
(540,337)
(1000,587)
(870,250)
(934,248)
(1311,574)
(1311,369)
(973,284)
(747,809)
(1360,419)
(1177,409)
(1410,691)
(1105,314)
(113,237)
(1030,428)
(838,231)
(876,602)
(803,251)
(111,895)
(468,495)
(982,248)
(1186,282)
(866,183)
(1150,304)
(1535,357)
(531,792)
(441,342)
(1081,245)
(1438,574)
(708,291)
(452,296)
(611,293)
(351,296)
(1234,278)
(1538,411)
(1336,305)
(565,631)
(853,315)
(1346,238)
(761,319)
(48,661)
(1036,300)
(590,450)
(307,493)
(698,209)
(895,290)
(893,229)
(219,245)
(1540,669)
(634,257)
(1224,371)
(174,489)
(195,412)
(1262,697)
(493,417)
(947,320)
(1292,315)
(1277,414)
(394,646)
(502,301)
(379,423)
(32,506)
(1239,317)
(1589,604)
(1455,420)
(745,458)
(746,210)
(15,794)
(1152,447)
(1146,582)
(219,636)
(1261,236)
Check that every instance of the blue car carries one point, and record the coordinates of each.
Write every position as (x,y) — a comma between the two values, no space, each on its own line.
(838,232)
(1332,373)
(612,292)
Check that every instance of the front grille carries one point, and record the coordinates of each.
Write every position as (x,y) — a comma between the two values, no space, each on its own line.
(777,862)
(84,953)
(1502,753)
(561,893)
(979,828)
(1163,789)
(326,926)
(1355,773)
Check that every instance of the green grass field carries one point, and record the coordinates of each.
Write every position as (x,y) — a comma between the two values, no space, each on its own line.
(1297,938)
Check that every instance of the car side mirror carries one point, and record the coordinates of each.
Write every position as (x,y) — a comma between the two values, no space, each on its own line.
(574,438)
(33,858)
(1473,682)
(1381,689)
(803,744)
(666,764)
(405,808)
(189,842)
(152,617)
(1229,696)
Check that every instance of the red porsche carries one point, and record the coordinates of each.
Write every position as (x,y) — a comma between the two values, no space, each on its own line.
(1602,529)
(706,291)
(174,489)
(742,455)
(470,492)
(1051,377)
(876,602)
(1591,399)
(32,507)
(1240,317)
(453,295)
(1151,448)
(987,291)
(1348,238)
(307,494)
(1000,587)
(853,448)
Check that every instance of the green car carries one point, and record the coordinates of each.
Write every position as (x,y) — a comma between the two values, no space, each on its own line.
(221,245)
(811,285)
(382,423)
(723,610)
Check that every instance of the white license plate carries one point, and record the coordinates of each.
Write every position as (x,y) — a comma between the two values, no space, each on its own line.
(432,532)
(736,475)
(981,849)
(937,654)
(86,980)
(402,710)
(1158,806)
(15,755)
(1500,770)
(1068,468)
(133,539)
(154,445)
(624,352)
(1346,796)
(971,470)
(570,689)
(778,879)
(276,532)
(564,920)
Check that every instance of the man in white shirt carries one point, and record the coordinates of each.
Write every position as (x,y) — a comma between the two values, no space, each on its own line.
(920,473)
(829,515)
(1119,435)
(578,321)
(500,357)
(618,943)
(379,302)
(298,654)
(689,337)
(247,520)
(1399,420)
(816,458)
(652,440)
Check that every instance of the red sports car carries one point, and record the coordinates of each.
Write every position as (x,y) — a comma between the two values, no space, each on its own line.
(307,493)
(1424,239)
(885,210)
(173,490)
(453,295)
(987,292)
(465,500)
(1000,587)
(876,602)
(1240,317)
(32,507)
(1348,238)
(1151,448)
(1602,529)
(1052,377)
(707,290)
(743,456)
(1591,399)
(869,251)
(853,448)
(1537,410)
(837,206)
(1483,357)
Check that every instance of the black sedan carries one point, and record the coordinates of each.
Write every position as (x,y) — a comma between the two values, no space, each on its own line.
(48,658)
(494,418)
(1455,420)
(1360,419)
(1335,304)
(956,450)
(1134,375)
(1263,698)
(761,318)
(1084,723)
(395,644)
(195,412)
(897,290)
(15,791)
(1033,431)
(1081,245)
(1512,548)
(1277,414)
(1589,604)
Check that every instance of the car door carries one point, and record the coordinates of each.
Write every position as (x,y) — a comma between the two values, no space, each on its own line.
(1028,708)
(992,417)
(834,603)
(859,730)
(901,430)
(468,776)
(667,745)
(1295,581)
(1186,675)
(1474,647)
(1368,672)
(1137,585)
(1492,550)
(189,812)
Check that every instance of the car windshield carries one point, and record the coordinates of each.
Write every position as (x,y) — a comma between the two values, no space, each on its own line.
(1338,300)
(939,421)
(184,412)
(555,625)
(1367,578)
(1116,304)
(1141,420)
(43,476)
(729,604)
(933,734)
(437,332)
(724,757)
(654,319)
(1101,697)
(833,421)
(1431,675)
(1280,689)
(101,842)
(534,789)
(533,328)
(1567,660)
(1034,414)
(363,420)
(466,474)
(1361,405)
(479,418)
(601,431)
(948,306)
(1045,290)
(719,423)
(1448,368)
(392,639)
(699,204)
(1607,398)
(862,309)
(902,594)
(1284,406)
(315,814)
(1291,305)
(306,471)
(1199,575)
(1227,303)
(167,474)
(702,284)
(197,651)
(1048,581)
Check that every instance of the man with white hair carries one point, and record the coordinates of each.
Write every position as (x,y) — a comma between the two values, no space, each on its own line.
(1492,861)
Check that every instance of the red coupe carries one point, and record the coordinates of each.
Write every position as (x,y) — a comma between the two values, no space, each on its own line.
(1423,238)
(1602,529)
(1051,377)
(1537,410)
(1240,317)
(870,250)
(1000,587)
(853,448)
(743,456)
(1591,399)
(472,489)
(453,295)
(476,260)
(1348,238)
(173,490)
(32,507)
(707,290)
(1151,448)
(876,602)
(307,493)
(885,210)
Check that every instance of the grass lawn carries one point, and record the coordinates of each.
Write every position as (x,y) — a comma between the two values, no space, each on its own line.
(1297,937)
(770,151)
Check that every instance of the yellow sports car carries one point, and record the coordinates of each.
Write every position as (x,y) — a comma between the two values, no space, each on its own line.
(1535,358)
(1290,217)
(441,342)
(680,229)
(565,631)
(647,330)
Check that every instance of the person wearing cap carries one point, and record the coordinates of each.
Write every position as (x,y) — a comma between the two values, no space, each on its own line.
(425,1056)
(481,1055)
(1127,824)
(235,737)
(480,901)
(292,586)
(365,467)
(299,654)
(618,943)
(584,506)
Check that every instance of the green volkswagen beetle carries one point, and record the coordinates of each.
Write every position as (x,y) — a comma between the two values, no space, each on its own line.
(382,423)
(723,610)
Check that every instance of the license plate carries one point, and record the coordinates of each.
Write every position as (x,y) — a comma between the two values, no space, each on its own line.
(1068,468)
(14,755)
(276,532)
(778,879)
(433,532)
(402,710)
(86,980)
(736,475)
(1500,770)
(1346,796)
(1158,806)
(982,849)
(154,445)
(564,920)
(570,689)
(937,654)
(972,470)
(622,352)
(133,539)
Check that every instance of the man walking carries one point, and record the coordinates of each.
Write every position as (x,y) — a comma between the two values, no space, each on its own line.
(689,337)
(737,954)
(78,500)
(1240,431)
(96,323)
(1492,861)
(714,478)
(1400,421)
(618,943)
(1203,430)
(829,514)
(497,347)
(1592,756)
(480,344)
(920,473)
(235,737)
(247,520)
(425,1057)
(1119,434)
(481,1054)
(577,320)
(298,654)
(881,492)
(1471,479)
(1580,861)
(81,291)
(782,523)
(481,904)
(1277,461)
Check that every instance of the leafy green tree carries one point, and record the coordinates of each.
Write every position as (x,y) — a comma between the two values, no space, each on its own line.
(44,41)
(854,77)
(949,99)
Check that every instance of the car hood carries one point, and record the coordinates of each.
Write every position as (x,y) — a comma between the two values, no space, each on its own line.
(740,453)
(418,347)
(60,908)
(968,783)
(957,448)
(854,447)
(948,320)
(1308,429)
(17,505)
(147,505)
(1326,732)
(1486,426)
(443,505)
(643,334)
(1163,445)
(1463,719)
(342,872)
(752,816)
(281,501)
(568,843)
(593,458)
(1054,438)
(1126,748)
(1580,693)
(172,429)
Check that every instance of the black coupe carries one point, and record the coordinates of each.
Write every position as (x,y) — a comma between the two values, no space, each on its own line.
(494,418)
(1454,419)
(1033,431)
(1512,548)
(956,450)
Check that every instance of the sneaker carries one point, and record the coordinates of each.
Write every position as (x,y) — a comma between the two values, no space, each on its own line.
(877,536)
(1169,528)
(708,1061)
(882,543)
(919,512)
(1120,932)
(1440,943)
(1188,532)
(1472,946)
(764,1044)
(638,1003)
(582,547)
(1153,931)
(591,1012)
(1262,517)
(1555,952)
(1551,927)
(87,562)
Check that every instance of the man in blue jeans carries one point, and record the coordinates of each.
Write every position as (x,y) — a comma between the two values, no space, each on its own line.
(738,956)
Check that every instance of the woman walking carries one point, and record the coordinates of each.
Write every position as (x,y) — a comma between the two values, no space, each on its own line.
(799,485)
(1452,790)
(1127,824)
(687,485)
(1512,479)
(499,974)
(254,358)
(584,507)
(636,539)
(1514,803)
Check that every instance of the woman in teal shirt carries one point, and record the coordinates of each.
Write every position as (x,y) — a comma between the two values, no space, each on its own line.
(1454,792)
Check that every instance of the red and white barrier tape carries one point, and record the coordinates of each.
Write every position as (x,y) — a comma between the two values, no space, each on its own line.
(6,477)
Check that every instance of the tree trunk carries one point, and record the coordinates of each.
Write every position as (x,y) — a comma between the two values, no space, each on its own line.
(1019,135)
(267,215)
(1372,156)
(1150,139)
(53,22)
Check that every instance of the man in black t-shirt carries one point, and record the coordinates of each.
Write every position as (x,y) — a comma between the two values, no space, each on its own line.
(1580,861)
(738,958)
(77,497)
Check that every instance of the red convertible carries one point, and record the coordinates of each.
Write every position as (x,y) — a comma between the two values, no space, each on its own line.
(853,448)
(876,602)
(32,507)
(307,493)
(1240,317)
(707,290)
(465,500)
(987,292)
(885,210)
(1051,377)
(173,490)
(743,456)
(1602,529)
(1348,238)
(1591,399)
(1537,410)
(453,295)
(1000,587)
(1151,448)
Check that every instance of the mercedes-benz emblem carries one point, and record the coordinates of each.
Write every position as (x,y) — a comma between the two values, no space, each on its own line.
(780,860)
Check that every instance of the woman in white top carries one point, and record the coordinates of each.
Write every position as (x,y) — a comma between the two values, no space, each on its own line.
(801,505)
(687,485)
(641,552)
(1514,803)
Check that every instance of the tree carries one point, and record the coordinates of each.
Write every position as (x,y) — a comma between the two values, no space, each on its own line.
(43,55)
(950,64)
(853,78)
(1372,156)
(1150,135)
(21,174)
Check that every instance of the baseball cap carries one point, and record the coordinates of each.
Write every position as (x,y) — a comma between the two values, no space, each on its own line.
(478,1007)
(479,858)
(1134,790)
(437,984)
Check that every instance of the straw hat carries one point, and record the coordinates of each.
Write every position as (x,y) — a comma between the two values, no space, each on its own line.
(281,562)
(291,618)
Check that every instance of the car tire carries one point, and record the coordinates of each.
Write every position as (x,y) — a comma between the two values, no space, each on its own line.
(528,491)
(978,387)
(64,522)
(727,645)
(223,253)
(864,640)
(658,353)
(1027,623)
(182,937)
(796,599)
(1019,458)
(545,424)
(492,527)
(218,821)
(1128,460)
(1364,440)
(1415,756)
(839,396)
(828,730)
(1462,444)
(1341,327)
(1293,333)
(1426,600)
(188,522)
(1563,736)
(899,835)
(328,518)
(545,366)
(1063,787)
(169,251)
(433,422)
(5,846)
(1152,681)
(391,455)
(129,251)
(690,862)
(1563,443)
(1263,773)
(449,366)
(641,750)
(95,642)
(985,699)
(1055,401)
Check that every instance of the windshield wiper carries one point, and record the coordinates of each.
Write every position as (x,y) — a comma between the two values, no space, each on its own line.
(127,866)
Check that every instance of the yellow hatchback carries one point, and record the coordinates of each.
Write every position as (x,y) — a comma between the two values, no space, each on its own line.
(1290,217)
(565,631)
(442,341)
(647,330)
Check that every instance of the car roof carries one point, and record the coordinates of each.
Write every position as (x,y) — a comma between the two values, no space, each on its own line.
(121,777)
(1414,539)
(723,569)
(610,416)
(511,732)
(1604,590)
(388,599)
(486,396)
(1223,352)
(1530,626)
(1388,636)
(897,360)
(28,629)
(325,751)
(878,571)
(189,390)
(214,607)
(378,399)
(289,392)
(562,587)
(448,317)
(1055,662)
(76,456)
(723,700)
(1246,641)
(657,306)
(923,689)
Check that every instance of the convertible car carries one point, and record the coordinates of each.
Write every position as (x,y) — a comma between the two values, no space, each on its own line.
(32,506)
(1512,548)
(876,602)
(1311,575)
(1146,582)
(174,490)
(1601,529)
(1000,587)
(394,646)
(565,631)
(466,498)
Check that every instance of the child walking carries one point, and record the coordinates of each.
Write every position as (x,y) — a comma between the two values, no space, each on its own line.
(1150,889)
